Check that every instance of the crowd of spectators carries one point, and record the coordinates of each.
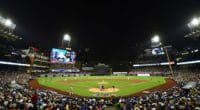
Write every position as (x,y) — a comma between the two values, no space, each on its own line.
(187,76)
(26,98)
(151,69)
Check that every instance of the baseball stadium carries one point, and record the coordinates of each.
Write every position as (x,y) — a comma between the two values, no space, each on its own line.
(99,56)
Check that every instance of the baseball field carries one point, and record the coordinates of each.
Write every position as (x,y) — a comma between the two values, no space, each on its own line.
(101,86)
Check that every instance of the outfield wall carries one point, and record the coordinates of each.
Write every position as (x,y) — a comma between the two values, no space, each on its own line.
(146,73)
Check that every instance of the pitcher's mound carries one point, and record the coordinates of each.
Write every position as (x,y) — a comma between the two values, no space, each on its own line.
(106,90)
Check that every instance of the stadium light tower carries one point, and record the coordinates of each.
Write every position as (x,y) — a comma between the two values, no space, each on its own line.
(194,26)
(67,38)
(156,39)
(7,28)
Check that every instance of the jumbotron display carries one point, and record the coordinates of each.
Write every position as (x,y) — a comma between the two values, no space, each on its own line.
(62,56)
(157,51)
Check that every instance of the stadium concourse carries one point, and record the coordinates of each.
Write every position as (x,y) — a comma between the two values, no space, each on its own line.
(16,93)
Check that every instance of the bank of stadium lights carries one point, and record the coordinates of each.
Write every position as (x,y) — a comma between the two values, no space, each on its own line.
(194,23)
(194,26)
(155,39)
(7,27)
(8,23)
(67,38)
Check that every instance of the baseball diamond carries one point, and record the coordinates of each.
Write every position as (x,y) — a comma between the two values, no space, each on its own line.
(90,86)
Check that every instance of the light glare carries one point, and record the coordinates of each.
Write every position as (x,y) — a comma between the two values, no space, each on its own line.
(67,37)
(155,39)
(8,23)
(195,22)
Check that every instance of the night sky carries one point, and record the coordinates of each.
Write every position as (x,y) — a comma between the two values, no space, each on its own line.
(112,30)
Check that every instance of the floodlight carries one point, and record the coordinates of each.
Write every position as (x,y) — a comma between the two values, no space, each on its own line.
(195,22)
(67,37)
(155,39)
(8,23)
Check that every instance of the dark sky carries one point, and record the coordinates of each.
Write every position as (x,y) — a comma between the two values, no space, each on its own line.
(111,29)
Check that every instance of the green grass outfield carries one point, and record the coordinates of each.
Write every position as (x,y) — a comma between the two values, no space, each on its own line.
(127,85)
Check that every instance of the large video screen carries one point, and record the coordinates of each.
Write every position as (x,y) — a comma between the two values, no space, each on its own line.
(158,51)
(62,56)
